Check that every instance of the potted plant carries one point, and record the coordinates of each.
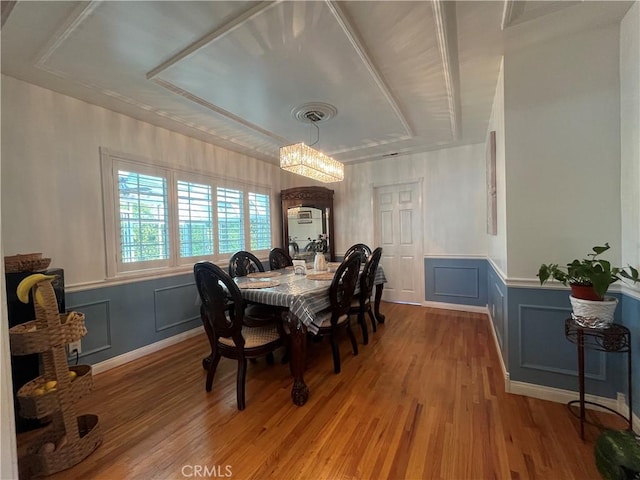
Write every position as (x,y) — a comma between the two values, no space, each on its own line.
(589,280)
(617,455)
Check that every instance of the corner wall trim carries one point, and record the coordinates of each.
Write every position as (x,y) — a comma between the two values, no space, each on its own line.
(143,351)
(503,367)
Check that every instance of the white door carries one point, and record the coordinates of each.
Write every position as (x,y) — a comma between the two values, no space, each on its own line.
(399,232)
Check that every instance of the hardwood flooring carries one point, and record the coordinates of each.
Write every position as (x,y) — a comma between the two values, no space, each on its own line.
(425,399)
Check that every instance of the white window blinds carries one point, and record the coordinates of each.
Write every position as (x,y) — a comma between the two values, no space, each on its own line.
(195,219)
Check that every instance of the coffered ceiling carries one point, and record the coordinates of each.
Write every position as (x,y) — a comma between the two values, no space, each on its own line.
(402,76)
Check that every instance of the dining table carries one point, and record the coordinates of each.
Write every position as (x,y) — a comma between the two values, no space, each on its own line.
(303,295)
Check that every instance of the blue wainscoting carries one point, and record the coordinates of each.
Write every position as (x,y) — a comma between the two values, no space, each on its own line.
(539,352)
(497,295)
(630,317)
(529,327)
(459,281)
(530,322)
(126,317)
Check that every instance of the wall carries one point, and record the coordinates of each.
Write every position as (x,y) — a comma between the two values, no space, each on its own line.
(497,244)
(630,134)
(8,452)
(562,149)
(52,203)
(630,174)
(50,146)
(570,133)
(453,199)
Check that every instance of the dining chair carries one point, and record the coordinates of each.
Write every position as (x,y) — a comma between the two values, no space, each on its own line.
(243,263)
(279,258)
(363,250)
(222,310)
(361,303)
(336,317)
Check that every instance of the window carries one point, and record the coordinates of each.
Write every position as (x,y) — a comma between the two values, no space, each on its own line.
(230,220)
(161,217)
(259,221)
(195,218)
(143,217)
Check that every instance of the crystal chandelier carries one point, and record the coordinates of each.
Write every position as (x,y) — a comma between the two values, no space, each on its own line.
(309,162)
(306,161)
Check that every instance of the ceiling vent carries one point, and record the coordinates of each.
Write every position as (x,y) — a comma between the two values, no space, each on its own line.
(314,112)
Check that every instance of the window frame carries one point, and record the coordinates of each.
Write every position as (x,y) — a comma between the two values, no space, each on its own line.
(112,162)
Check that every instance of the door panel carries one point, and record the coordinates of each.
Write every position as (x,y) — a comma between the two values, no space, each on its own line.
(399,232)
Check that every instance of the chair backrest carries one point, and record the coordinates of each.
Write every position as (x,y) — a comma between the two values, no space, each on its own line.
(343,285)
(278,258)
(224,321)
(363,250)
(243,263)
(369,275)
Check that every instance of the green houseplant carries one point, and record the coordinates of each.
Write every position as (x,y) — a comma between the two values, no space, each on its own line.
(617,455)
(593,274)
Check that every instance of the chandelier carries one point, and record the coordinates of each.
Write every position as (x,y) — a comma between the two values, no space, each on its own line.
(306,161)
(309,162)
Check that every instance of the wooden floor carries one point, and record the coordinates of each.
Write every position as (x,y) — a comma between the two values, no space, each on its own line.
(425,399)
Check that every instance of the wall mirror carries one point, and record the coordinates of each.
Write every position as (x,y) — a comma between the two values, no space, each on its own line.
(307,222)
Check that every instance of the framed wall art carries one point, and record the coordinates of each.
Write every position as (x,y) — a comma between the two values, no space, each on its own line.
(492,199)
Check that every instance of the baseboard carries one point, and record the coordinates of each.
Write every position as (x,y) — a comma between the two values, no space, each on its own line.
(503,367)
(456,306)
(559,395)
(143,351)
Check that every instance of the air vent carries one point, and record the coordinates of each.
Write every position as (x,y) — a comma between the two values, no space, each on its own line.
(315,112)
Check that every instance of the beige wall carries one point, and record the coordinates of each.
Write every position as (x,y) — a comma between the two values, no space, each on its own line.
(497,244)
(562,120)
(630,134)
(453,196)
(51,184)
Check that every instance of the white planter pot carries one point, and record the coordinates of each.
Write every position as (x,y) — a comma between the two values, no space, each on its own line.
(589,313)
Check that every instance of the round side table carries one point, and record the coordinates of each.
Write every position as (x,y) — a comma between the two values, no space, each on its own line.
(614,338)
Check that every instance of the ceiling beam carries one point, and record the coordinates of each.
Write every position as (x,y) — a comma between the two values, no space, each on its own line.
(444,15)
(360,49)
(6,8)
(211,36)
(220,111)
(511,11)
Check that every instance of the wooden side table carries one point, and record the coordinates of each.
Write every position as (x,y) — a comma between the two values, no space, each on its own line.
(614,338)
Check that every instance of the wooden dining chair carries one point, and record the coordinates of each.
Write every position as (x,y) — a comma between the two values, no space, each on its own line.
(361,303)
(363,250)
(222,310)
(243,263)
(336,317)
(279,258)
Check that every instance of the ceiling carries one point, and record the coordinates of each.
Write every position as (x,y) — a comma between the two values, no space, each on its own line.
(401,76)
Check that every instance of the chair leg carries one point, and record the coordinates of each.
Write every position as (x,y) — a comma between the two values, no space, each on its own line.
(373,319)
(352,337)
(215,359)
(270,360)
(336,354)
(363,326)
(242,374)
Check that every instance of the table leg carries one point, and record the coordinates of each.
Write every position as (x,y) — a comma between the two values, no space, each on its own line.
(297,360)
(581,380)
(376,305)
